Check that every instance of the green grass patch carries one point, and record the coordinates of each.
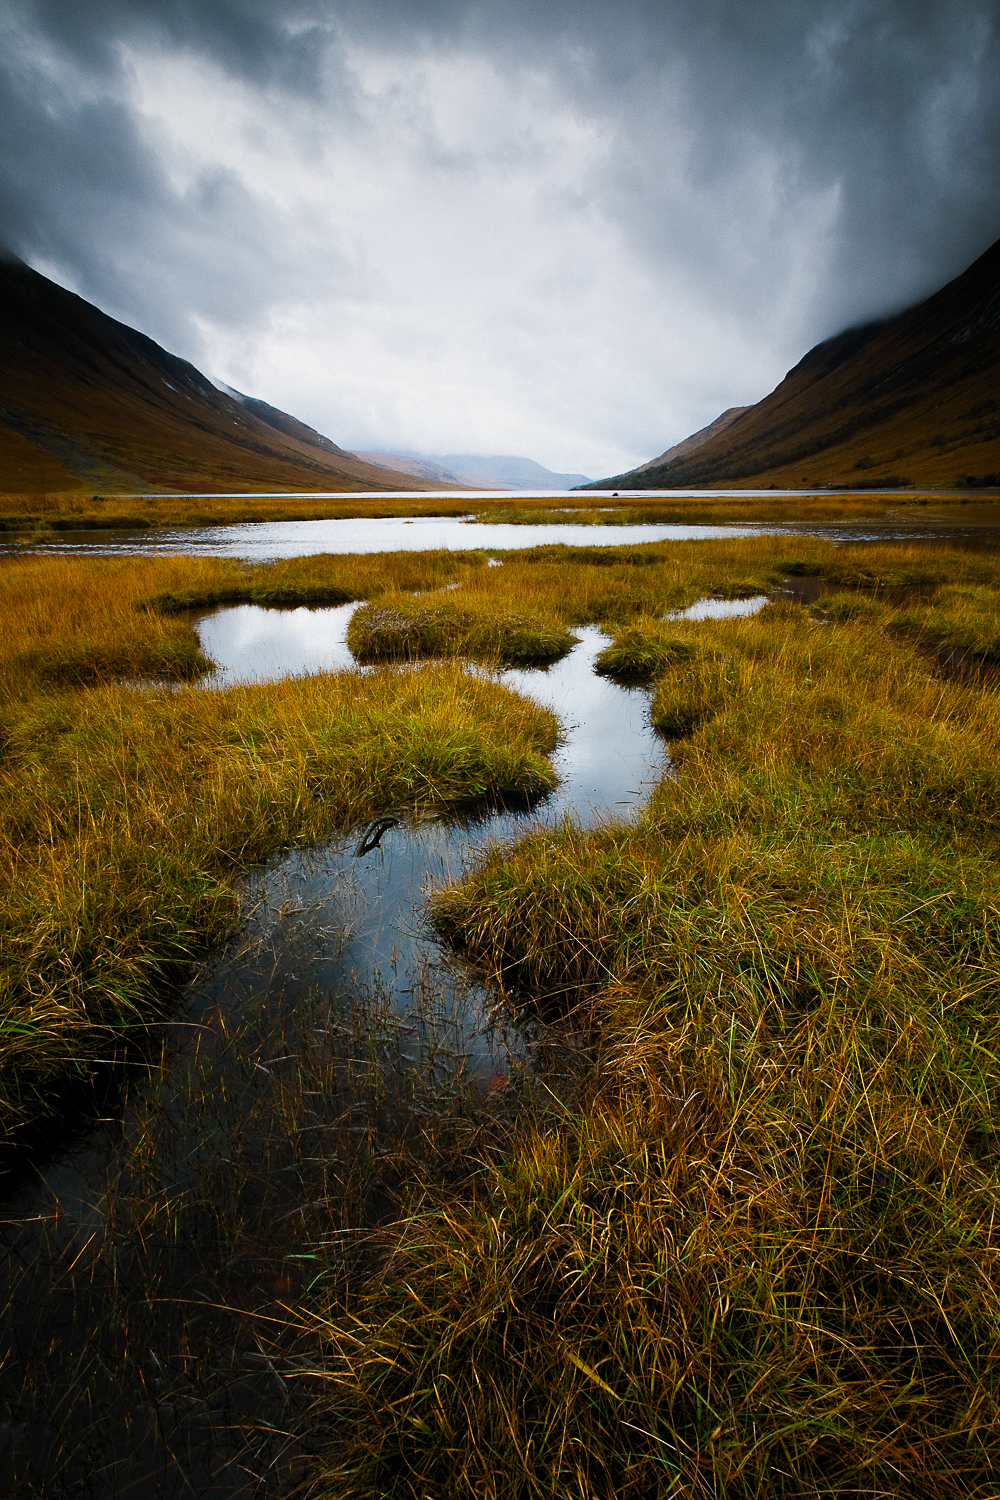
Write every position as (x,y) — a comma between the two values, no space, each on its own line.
(644,650)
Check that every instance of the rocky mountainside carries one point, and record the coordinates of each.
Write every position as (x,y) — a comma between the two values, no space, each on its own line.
(911,400)
(84,398)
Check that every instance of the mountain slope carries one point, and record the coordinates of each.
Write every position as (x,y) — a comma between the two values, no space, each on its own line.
(85,398)
(477,471)
(408,463)
(506,471)
(697,439)
(914,399)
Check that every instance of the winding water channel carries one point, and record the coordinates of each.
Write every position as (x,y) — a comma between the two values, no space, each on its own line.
(334,1003)
(141,1259)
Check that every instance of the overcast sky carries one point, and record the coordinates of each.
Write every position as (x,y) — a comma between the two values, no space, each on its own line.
(575,231)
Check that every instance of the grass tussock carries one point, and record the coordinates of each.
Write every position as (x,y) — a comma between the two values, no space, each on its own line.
(964,618)
(642,651)
(729,1273)
(402,629)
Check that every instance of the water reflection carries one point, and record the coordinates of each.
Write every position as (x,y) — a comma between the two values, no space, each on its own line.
(721,609)
(355,922)
(975,526)
(267,541)
(249,643)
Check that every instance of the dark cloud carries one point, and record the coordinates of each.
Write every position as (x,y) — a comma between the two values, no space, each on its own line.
(764,173)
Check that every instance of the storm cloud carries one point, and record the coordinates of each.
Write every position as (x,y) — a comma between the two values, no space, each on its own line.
(575,231)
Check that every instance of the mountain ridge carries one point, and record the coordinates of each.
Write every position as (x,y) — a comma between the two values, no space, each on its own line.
(85,398)
(687,445)
(479,470)
(913,399)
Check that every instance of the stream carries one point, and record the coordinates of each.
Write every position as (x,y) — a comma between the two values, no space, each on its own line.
(148,1264)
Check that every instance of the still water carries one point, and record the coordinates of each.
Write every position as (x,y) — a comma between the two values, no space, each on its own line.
(268,541)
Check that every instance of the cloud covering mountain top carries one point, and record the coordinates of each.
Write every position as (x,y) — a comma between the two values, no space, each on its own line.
(572,230)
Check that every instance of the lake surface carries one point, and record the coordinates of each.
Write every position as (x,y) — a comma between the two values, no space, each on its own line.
(268,541)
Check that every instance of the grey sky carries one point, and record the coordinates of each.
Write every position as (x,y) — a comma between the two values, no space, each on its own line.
(572,230)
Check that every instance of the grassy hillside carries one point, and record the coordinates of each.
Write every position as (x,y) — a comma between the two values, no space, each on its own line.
(914,400)
(88,402)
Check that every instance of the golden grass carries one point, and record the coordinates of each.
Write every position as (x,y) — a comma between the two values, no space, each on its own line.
(40,515)
(746,1244)
(27,514)
(400,628)
(127,814)
(757,1253)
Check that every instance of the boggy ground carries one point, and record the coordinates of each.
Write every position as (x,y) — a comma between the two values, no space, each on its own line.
(756,1254)
(129,812)
(34,515)
(744,1242)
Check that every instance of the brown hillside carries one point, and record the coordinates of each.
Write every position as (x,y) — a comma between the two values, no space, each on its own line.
(913,400)
(697,439)
(85,399)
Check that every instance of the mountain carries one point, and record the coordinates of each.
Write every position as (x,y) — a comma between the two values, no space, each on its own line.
(408,463)
(910,400)
(503,471)
(84,398)
(475,471)
(688,444)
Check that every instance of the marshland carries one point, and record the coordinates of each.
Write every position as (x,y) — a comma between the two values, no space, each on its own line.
(712,1210)
(36,516)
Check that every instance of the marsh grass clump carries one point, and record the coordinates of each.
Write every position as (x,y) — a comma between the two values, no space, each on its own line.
(843,606)
(404,629)
(963,618)
(642,651)
(726,1273)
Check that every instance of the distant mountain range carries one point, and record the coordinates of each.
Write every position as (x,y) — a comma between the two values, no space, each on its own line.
(84,398)
(477,471)
(910,400)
